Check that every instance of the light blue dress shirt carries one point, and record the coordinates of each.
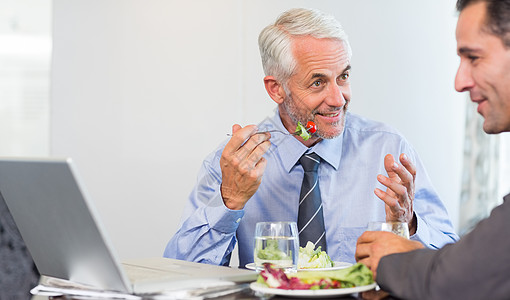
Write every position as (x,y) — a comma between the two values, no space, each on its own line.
(347,176)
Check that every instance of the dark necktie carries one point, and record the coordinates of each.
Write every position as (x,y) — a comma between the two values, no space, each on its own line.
(310,217)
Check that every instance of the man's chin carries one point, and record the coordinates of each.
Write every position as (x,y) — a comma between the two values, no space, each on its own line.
(332,130)
(491,129)
(331,134)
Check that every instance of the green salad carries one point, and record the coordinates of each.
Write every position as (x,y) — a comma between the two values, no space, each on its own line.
(311,258)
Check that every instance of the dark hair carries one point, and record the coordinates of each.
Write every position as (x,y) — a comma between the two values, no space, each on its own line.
(497,17)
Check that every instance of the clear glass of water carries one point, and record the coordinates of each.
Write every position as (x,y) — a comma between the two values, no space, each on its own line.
(398,228)
(276,243)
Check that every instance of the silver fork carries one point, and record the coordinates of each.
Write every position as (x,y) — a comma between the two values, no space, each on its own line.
(272,130)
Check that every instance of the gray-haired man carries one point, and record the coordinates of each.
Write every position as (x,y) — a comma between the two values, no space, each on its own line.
(254,177)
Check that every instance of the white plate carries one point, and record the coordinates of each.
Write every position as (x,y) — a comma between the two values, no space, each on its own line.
(336,266)
(258,287)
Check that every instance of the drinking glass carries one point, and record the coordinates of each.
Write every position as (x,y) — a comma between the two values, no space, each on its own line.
(276,243)
(399,228)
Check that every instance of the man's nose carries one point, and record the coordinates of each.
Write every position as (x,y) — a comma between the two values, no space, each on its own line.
(337,95)
(463,79)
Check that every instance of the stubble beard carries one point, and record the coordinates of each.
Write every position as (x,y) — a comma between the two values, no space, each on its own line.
(297,116)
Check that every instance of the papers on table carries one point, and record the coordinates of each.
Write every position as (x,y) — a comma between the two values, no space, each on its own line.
(57,287)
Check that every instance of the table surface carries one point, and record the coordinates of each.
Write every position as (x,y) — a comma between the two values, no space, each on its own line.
(248,294)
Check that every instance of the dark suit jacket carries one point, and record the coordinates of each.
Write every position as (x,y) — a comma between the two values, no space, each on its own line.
(476,267)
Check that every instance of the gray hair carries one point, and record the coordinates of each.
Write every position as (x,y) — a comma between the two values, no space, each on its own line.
(275,41)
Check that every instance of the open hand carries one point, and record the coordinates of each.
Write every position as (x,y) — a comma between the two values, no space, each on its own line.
(399,195)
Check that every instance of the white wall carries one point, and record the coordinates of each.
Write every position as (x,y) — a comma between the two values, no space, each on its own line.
(25,55)
(143,90)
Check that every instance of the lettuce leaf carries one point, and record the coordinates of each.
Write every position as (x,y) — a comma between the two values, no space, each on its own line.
(302,132)
(311,258)
(355,275)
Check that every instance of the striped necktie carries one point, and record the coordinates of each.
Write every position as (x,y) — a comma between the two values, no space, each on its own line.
(310,217)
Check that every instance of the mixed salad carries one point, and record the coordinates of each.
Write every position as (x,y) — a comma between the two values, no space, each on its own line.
(305,131)
(356,275)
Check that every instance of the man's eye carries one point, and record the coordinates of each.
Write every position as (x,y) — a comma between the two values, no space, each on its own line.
(472,58)
(343,77)
(317,83)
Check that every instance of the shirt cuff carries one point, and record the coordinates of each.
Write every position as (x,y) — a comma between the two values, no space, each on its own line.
(422,233)
(222,218)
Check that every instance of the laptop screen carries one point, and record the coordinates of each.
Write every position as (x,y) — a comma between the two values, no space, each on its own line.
(58,223)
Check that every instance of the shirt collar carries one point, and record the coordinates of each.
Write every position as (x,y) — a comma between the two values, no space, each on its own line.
(289,149)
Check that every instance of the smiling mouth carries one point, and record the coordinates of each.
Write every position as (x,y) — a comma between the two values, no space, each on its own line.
(479,105)
(330,115)
(478,99)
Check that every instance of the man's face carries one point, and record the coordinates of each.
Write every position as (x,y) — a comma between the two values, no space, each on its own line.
(319,90)
(484,68)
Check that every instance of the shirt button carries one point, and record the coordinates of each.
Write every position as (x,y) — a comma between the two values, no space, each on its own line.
(238,220)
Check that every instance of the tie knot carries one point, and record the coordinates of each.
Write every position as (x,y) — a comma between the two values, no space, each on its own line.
(310,162)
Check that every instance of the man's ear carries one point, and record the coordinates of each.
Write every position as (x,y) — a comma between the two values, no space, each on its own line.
(275,89)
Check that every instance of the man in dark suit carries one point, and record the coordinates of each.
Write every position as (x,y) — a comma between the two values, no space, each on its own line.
(478,266)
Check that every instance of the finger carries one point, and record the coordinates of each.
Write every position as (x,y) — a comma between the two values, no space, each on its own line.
(408,164)
(397,172)
(239,136)
(258,170)
(391,202)
(366,237)
(261,165)
(361,252)
(363,259)
(256,155)
(362,245)
(390,165)
(403,174)
(363,239)
(396,189)
(253,148)
(235,128)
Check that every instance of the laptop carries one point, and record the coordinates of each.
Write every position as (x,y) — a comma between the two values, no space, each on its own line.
(66,239)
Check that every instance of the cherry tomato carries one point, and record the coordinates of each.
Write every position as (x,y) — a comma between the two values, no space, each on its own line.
(310,126)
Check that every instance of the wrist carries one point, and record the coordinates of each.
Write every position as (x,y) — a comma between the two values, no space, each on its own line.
(232,204)
(229,201)
(413,225)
